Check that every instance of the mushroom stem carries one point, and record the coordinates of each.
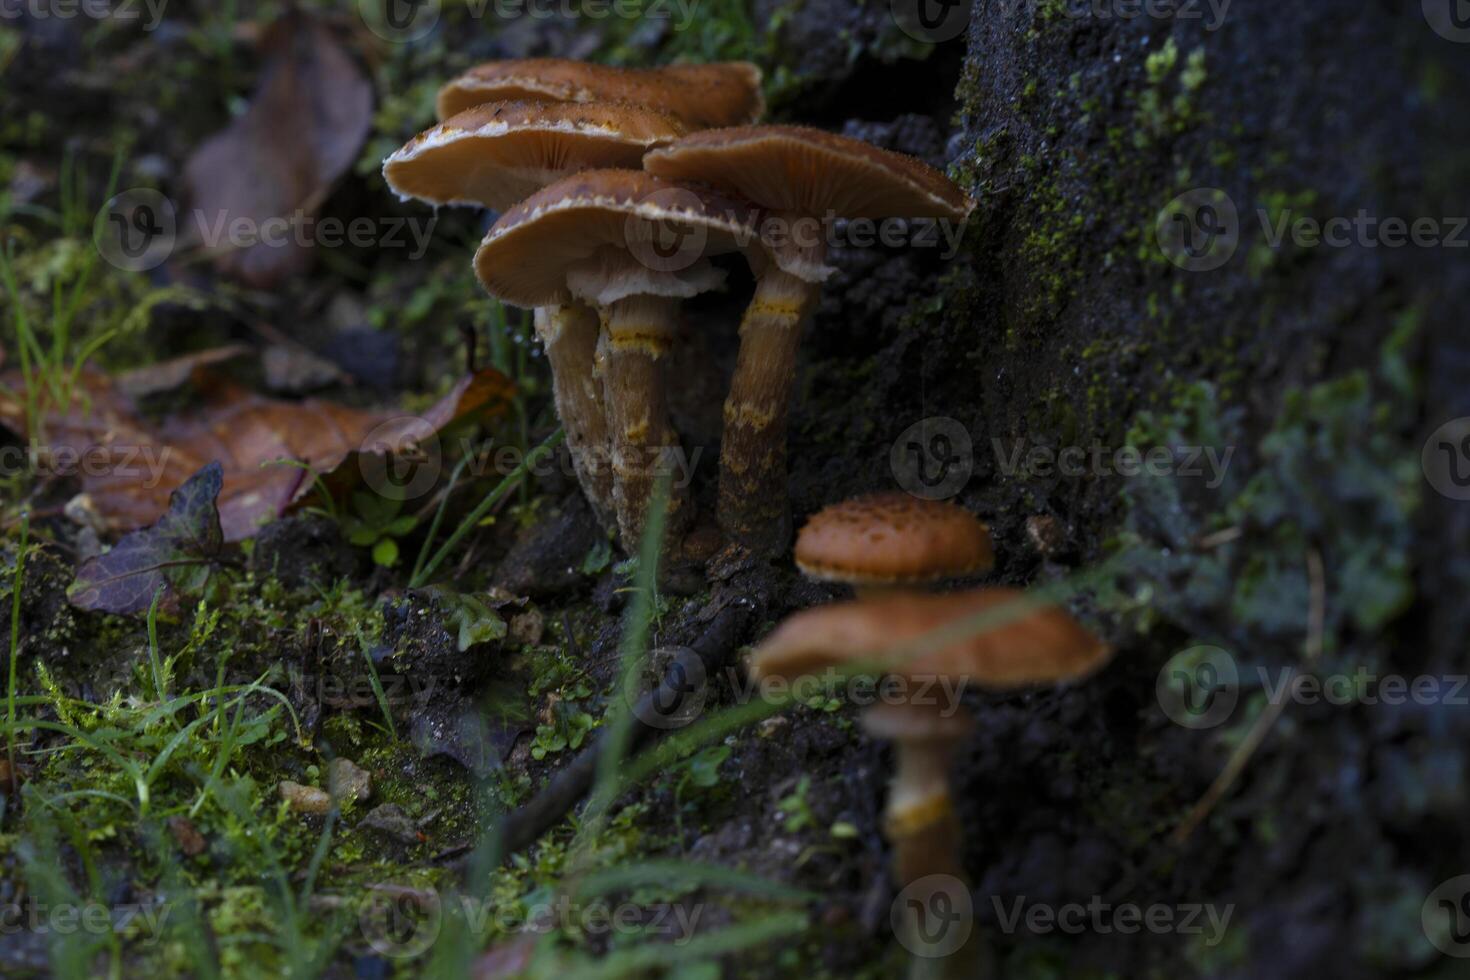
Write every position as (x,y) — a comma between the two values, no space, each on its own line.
(636,332)
(569,334)
(754,507)
(920,820)
(924,829)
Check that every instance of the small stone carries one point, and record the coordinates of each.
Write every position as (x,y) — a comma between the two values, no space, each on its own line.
(187,836)
(305,799)
(390,820)
(1045,534)
(770,726)
(526,628)
(347,781)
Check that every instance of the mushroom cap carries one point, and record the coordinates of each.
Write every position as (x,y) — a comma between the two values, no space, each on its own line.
(570,226)
(808,171)
(925,636)
(893,539)
(498,153)
(725,93)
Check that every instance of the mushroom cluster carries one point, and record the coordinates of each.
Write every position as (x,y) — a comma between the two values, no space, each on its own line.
(615,187)
(889,548)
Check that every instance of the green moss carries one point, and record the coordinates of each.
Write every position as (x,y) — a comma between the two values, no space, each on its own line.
(1158,113)
(1333,475)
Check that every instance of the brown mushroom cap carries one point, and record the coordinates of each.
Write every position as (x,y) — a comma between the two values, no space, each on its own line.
(893,539)
(1026,644)
(808,171)
(496,154)
(572,226)
(725,93)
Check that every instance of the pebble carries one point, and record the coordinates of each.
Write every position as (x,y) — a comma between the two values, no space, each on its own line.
(347,781)
(305,799)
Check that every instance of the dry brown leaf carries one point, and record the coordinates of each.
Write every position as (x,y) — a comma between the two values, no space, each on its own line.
(128,466)
(309,116)
(172,373)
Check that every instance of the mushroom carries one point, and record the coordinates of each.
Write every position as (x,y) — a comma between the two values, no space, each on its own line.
(599,237)
(806,178)
(992,638)
(726,93)
(498,153)
(882,542)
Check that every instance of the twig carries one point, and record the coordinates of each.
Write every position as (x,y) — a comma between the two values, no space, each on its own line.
(1241,757)
(712,649)
(1218,538)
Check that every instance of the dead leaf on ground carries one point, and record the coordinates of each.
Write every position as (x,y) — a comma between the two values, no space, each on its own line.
(174,372)
(309,116)
(178,552)
(268,449)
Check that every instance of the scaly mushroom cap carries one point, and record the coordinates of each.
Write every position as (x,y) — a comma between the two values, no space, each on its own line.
(582,227)
(808,171)
(726,93)
(893,539)
(910,636)
(496,154)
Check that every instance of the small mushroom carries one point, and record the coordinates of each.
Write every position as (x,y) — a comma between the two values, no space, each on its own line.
(806,178)
(882,542)
(498,153)
(726,93)
(995,639)
(592,238)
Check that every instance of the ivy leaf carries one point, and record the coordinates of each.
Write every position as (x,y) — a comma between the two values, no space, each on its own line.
(177,552)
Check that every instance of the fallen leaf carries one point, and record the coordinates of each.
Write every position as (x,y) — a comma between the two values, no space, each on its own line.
(310,113)
(268,449)
(178,551)
(174,372)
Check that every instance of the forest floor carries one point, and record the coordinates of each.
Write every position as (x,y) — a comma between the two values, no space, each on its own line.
(367,625)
